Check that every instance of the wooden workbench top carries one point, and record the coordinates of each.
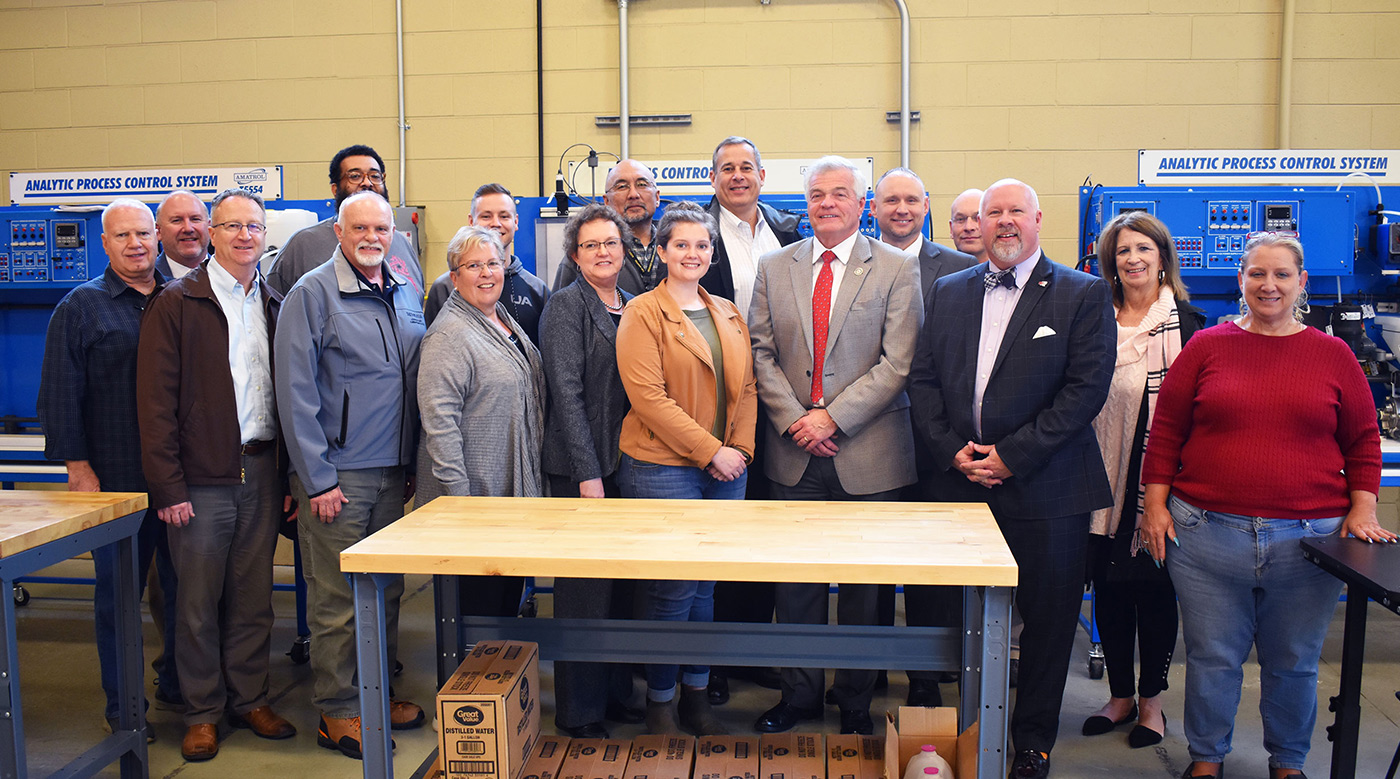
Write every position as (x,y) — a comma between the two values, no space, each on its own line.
(30,518)
(857,542)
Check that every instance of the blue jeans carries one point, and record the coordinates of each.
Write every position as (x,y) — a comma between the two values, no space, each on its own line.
(1241,582)
(150,543)
(676,601)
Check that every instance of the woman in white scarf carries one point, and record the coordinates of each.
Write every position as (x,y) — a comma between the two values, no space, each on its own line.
(1134,597)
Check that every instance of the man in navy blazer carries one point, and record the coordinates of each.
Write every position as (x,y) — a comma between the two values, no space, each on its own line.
(1005,409)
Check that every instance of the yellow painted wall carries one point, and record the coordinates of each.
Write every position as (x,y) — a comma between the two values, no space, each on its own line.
(1050,91)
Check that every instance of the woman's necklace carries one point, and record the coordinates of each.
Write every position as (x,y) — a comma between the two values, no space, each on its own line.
(617,306)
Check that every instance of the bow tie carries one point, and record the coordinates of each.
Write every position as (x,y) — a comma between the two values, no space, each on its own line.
(1005,278)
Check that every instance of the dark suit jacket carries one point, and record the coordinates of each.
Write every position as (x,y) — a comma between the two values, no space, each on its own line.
(578,341)
(720,279)
(1042,395)
(937,261)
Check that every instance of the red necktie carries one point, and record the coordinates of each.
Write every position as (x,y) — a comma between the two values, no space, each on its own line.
(821,318)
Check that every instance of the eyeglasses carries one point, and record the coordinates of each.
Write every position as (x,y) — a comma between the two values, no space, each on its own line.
(234,228)
(962,220)
(475,267)
(355,177)
(612,245)
(641,185)
(1279,233)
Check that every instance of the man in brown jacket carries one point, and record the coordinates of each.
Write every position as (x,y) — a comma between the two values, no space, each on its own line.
(210,452)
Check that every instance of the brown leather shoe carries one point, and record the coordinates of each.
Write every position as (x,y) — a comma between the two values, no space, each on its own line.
(404,715)
(264,722)
(201,742)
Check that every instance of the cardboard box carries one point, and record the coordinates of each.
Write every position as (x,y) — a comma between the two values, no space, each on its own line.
(726,757)
(792,756)
(488,712)
(595,758)
(546,758)
(850,756)
(918,726)
(660,757)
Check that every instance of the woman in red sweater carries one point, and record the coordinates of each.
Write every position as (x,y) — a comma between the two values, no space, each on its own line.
(1265,434)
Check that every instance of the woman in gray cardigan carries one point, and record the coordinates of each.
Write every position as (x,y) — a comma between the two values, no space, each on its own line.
(578,331)
(481,394)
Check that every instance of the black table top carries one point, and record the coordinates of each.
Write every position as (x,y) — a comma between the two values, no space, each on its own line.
(1372,569)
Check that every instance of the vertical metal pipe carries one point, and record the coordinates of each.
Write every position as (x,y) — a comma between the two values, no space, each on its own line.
(403,122)
(903,82)
(1285,77)
(623,115)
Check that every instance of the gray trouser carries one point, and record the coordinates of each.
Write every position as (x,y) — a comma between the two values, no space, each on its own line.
(376,501)
(223,606)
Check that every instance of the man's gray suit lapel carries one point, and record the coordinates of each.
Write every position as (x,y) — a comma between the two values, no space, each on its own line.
(802,287)
(1030,297)
(858,268)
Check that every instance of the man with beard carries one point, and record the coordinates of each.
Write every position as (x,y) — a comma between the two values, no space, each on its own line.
(1005,411)
(346,353)
(182,225)
(632,193)
(353,169)
(493,207)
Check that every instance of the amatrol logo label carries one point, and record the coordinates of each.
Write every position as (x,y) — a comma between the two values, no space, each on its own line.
(468,716)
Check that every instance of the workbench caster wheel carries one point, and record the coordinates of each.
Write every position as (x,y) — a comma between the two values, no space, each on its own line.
(21,595)
(530,608)
(1096,668)
(300,651)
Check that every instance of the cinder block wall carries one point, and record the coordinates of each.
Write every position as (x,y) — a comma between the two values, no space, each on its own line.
(1050,91)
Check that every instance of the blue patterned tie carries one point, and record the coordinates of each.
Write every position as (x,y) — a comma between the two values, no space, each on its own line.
(1005,278)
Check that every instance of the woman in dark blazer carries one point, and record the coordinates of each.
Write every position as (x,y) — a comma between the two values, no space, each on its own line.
(578,334)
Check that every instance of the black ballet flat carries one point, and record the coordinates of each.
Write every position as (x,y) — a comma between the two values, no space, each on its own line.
(1142,736)
(1098,725)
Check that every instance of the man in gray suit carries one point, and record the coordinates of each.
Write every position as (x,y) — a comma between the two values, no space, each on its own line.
(833,322)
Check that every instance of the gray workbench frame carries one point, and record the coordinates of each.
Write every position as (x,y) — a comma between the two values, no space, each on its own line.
(127,744)
(980,652)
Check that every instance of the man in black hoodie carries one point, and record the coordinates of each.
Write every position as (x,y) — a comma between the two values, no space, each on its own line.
(493,207)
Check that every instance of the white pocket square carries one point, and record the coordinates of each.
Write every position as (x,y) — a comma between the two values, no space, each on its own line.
(1043,332)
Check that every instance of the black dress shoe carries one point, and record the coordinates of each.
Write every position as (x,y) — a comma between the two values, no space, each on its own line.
(1142,736)
(718,691)
(830,697)
(784,717)
(856,721)
(1098,725)
(1188,775)
(1013,672)
(618,711)
(591,730)
(923,692)
(1029,764)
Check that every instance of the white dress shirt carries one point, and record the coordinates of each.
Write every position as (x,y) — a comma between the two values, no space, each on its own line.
(248,353)
(997,308)
(744,245)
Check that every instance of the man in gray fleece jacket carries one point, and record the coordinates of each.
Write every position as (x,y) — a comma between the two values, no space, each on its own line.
(346,376)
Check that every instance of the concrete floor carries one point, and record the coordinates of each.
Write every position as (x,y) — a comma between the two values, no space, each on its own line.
(63,702)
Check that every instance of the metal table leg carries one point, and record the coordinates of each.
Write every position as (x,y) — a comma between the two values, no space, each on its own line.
(131,701)
(449,636)
(12,760)
(987,655)
(1347,703)
(373,666)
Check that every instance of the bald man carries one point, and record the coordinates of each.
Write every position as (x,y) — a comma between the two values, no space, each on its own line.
(964,226)
(1005,410)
